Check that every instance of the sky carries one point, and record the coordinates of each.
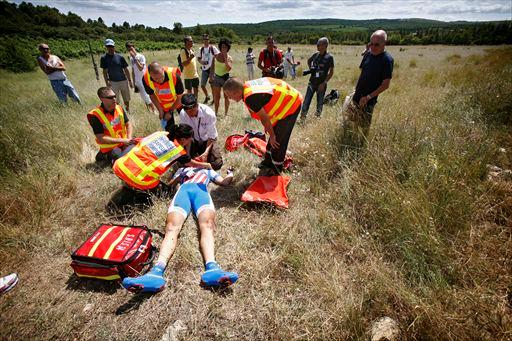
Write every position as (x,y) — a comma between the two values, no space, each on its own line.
(156,13)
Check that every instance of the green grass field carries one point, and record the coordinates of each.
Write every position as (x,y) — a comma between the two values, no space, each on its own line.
(410,228)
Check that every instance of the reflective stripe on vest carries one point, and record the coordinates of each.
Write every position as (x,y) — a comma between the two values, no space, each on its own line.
(166,93)
(142,167)
(285,99)
(117,131)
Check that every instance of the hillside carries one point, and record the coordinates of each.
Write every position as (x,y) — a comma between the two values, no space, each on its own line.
(412,228)
(23,26)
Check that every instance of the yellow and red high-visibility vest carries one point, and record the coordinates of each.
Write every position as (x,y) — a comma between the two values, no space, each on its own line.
(285,99)
(166,92)
(142,167)
(113,127)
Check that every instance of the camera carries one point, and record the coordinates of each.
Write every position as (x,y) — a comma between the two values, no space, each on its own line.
(308,72)
(277,71)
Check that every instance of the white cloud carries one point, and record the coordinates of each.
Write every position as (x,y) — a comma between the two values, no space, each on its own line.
(165,13)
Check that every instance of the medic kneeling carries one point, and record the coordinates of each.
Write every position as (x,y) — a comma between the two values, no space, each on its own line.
(142,167)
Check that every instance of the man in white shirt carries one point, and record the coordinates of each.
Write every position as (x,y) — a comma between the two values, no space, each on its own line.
(202,119)
(54,68)
(289,61)
(205,58)
(138,62)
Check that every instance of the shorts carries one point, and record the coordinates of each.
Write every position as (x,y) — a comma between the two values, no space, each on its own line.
(219,81)
(123,88)
(191,83)
(191,197)
(205,76)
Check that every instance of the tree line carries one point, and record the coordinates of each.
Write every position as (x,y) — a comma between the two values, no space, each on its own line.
(23,26)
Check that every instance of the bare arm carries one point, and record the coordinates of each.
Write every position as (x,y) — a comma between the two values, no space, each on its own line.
(229,62)
(212,68)
(224,181)
(103,139)
(383,86)
(44,66)
(260,64)
(265,120)
(105,76)
(59,67)
(157,105)
(188,60)
(129,130)
(209,146)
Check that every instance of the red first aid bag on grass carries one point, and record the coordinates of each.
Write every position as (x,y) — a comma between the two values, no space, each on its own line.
(113,252)
(270,189)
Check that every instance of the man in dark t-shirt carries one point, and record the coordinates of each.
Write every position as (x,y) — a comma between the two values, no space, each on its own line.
(116,73)
(376,72)
(321,66)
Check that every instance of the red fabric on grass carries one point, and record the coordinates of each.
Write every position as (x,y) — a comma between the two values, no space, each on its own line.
(269,189)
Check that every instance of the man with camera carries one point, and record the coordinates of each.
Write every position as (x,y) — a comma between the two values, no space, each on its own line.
(321,69)
(270,61)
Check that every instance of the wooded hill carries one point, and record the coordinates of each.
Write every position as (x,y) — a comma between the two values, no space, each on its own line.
(23,26)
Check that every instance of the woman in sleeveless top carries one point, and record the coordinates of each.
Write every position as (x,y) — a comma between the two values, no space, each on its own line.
(222,64)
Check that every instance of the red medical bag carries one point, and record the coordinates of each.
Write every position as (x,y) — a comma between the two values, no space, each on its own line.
(113,252)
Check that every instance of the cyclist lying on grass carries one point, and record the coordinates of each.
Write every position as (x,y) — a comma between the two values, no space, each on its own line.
(192,195)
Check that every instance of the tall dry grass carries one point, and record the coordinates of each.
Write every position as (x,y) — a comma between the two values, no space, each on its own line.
(408,228)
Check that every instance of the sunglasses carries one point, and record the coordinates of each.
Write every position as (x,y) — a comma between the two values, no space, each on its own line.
(45,49)
(110,97)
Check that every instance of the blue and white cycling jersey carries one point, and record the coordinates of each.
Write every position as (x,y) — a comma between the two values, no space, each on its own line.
(191,175)
(193,192)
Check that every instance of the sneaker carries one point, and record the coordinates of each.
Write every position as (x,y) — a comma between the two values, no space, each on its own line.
(152,282)
(207,98)
(214,276)
(8,282)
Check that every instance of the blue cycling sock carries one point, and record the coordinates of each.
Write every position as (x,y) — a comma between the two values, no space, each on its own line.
(211,265)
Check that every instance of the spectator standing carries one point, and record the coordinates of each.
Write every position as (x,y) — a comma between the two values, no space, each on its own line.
(321,68)
(289,62)
(222,64)
(201,118)
(54,68)
(376,73)
(249,60)
(139,67)
(188,59)
(270,60)
(116,73)
(205,58)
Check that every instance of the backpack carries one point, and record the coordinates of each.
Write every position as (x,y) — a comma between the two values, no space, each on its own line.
(180,63)
(202,49)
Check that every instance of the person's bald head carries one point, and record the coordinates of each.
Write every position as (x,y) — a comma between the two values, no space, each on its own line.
(234,89)
(378,42)
(381,35)
(156,71)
